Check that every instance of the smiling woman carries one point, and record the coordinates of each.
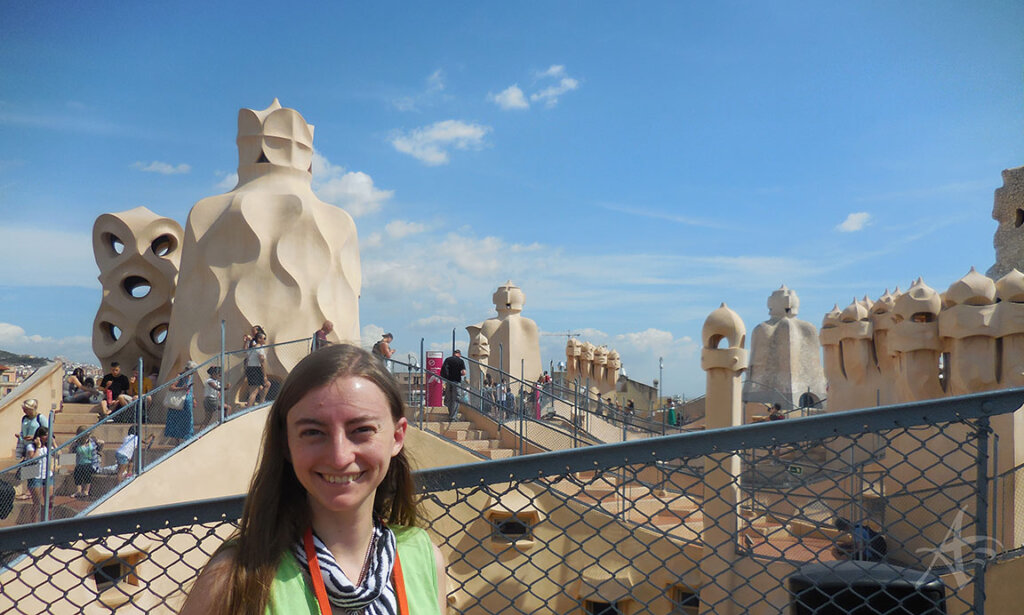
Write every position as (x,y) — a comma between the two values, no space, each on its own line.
(329,523)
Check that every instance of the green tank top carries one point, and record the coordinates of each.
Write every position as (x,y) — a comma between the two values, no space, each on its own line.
(291,594)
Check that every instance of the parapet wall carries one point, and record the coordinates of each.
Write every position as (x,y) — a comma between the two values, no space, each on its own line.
(924,345)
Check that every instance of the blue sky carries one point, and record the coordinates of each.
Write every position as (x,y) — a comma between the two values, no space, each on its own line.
(629,165)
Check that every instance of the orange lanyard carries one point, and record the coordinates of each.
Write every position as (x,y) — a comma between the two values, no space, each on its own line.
(321,591)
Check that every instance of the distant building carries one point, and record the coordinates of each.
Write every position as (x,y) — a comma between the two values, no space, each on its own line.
(9,379)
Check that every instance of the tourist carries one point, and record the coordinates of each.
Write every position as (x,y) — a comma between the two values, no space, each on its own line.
(508,399)
(213,391)
(256,369)
(334,487)
(86,452)
(249,339)
(488,394)
(81,390)
(858,541)
(775,414)
(320,335)
(125,454)
(180,421)
(132,396)
(452,371)
(383,351)
(30,423)
(113,387)
(41,471)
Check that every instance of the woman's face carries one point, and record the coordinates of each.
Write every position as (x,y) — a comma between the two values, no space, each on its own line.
(341,438)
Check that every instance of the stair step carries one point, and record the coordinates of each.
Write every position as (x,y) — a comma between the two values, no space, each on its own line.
(439,427)
(466,434)
(480,445)
(497,453)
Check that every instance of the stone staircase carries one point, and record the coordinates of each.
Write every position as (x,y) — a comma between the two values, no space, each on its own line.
(465,434)
(65,424)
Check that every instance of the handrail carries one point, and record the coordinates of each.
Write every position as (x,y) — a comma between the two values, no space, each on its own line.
(685,445)
(137,409)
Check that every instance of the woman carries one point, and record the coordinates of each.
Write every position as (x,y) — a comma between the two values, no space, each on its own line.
(333,481)
(249,339)
(81,390)
(256,369)
(180,424)
(42,470)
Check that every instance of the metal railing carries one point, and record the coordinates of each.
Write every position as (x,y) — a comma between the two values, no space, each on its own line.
(161,427)
(625,528)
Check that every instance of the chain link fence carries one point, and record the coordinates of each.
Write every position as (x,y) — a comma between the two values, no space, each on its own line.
(717,521)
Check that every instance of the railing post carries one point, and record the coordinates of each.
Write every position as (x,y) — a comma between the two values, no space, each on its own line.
(574,416)
(981,545)
(47,461)
(138,419)
(423,383)
(223,372)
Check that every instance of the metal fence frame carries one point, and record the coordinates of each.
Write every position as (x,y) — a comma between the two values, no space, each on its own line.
(972,410)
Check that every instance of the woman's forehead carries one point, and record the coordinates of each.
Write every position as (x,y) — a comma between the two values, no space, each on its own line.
(346,397)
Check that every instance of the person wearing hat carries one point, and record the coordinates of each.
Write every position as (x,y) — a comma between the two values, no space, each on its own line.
(30,423)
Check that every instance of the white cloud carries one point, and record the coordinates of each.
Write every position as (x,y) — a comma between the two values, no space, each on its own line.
(650,340)
(657,215)
(353,191)
(45,257)
(435,86)
(372,240)
(510,98)
(162,167)
(640,352)
(438,319)
(594,336)
(435,82)
(549,95)
(554,71)
(854,222)
(14,339)
(398,229)
(227,182)
(430,144)
(369,335)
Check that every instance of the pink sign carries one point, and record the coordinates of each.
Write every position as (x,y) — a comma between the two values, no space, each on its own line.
(435,388)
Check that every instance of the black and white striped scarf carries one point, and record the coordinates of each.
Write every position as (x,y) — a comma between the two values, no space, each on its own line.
(376,594)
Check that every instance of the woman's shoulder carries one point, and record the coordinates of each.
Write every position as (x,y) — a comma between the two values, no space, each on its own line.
(408,532)
(414,544)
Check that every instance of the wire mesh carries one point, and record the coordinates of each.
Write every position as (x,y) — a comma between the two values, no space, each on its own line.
(804,517)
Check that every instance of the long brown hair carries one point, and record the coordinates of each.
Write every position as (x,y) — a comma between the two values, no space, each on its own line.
(277,510)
